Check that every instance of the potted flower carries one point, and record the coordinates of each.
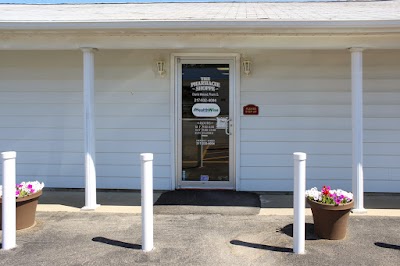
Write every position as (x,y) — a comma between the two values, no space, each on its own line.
(27,196)
(330,209)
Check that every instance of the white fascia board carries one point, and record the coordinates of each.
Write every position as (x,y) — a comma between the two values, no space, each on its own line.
(233,26)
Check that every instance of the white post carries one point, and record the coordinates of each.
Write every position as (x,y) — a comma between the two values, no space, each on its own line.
(299,202)
(357,127)
(147,201)
(9,231)
(90,150)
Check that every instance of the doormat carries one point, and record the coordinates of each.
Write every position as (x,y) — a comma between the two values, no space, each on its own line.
(224,202)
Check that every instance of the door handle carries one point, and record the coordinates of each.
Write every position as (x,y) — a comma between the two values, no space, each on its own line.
(228,127)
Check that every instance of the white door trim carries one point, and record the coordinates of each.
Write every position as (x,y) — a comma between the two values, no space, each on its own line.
(174,110)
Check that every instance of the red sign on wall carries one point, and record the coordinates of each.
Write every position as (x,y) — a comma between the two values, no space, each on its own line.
(250,109)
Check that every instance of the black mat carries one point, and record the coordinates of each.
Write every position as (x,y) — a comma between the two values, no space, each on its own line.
(209,198)
(225,202)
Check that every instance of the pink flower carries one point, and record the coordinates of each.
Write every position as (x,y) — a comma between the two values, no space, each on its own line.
(337,199)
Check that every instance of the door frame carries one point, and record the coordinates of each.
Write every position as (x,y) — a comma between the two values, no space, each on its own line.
(175,134)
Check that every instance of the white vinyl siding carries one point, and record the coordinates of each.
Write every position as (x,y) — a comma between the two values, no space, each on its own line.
(382,120)
(41,107)
(305,105)
(41,115)
(304,99)
(132,117)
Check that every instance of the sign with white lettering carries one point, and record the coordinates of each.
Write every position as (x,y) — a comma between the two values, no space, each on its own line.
(222,122)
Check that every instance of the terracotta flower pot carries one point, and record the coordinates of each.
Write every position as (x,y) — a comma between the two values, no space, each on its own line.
(330,222)
(25,211)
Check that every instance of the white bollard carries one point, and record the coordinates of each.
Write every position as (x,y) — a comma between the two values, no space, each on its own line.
(299,201)
(147,201)
(9,232)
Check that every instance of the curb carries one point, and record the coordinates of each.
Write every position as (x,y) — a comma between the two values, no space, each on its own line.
(263,211)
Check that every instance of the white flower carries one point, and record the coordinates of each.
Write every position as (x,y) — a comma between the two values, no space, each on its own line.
(346,194)
(313,193)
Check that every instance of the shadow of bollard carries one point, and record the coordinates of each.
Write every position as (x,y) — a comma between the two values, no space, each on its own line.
(310,235)
(385,245)
(116,243)
(261,246)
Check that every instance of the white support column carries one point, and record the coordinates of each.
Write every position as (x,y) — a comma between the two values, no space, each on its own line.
(357,128)
(9,227)
(90,149)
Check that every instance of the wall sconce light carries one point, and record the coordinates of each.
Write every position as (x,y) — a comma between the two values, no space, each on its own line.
(246,67)
(161,68)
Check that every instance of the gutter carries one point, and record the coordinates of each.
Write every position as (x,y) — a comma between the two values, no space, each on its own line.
(358,26)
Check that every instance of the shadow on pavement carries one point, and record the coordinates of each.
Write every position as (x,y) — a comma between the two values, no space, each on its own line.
(288,230)
(116,243)
(385,245)
(260,246)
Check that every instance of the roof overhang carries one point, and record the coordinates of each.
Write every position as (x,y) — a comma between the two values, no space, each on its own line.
(236,26)
(67,35)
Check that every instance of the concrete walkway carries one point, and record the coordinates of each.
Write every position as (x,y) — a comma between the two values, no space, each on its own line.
(377,204)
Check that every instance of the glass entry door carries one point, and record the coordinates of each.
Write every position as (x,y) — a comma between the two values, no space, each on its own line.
(205,124)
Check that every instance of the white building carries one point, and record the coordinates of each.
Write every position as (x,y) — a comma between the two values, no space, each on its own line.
(164,73)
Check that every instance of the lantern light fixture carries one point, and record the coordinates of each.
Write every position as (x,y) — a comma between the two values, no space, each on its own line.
(161,68)
(246,67)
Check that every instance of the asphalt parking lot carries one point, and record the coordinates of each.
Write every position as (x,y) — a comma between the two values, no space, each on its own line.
(199,235)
